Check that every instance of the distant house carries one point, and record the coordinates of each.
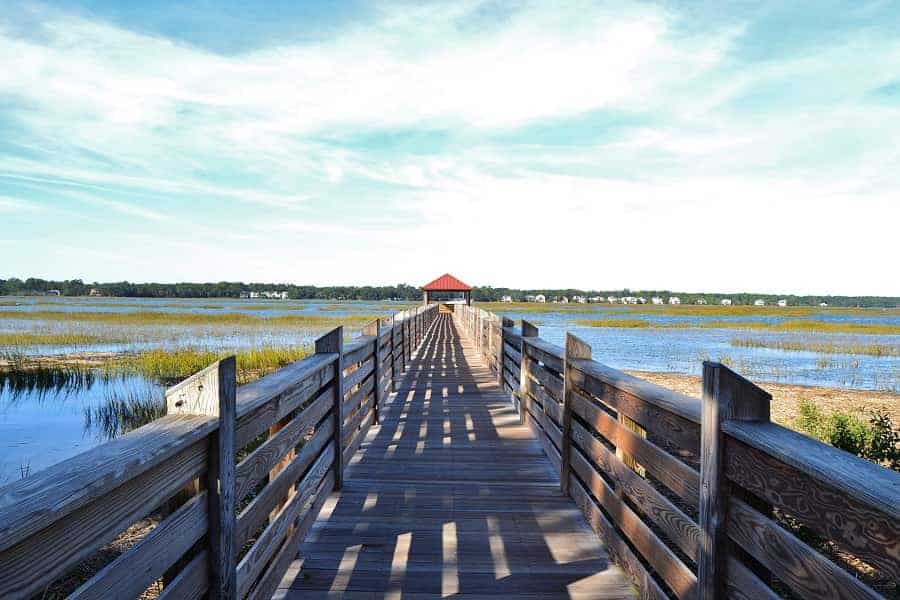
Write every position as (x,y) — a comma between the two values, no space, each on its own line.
(53,293)
(642,300)
(596,299)
(540,298)
(823,304)
(759,302)
(674,300)
(726,302)
(504,299)
(254,294)
(530,298)
(245,294)
(612,299)
(563,300)
(656,300)
(701,301)
(579,299)
(782,303)
(284,295)
(95,292)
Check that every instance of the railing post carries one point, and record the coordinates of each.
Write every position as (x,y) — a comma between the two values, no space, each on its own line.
(575,349)
(213,391)
(374,328)
(726,396)
(393,360)
(333,343)
(528,331)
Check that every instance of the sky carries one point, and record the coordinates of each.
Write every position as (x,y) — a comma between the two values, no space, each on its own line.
(693,146)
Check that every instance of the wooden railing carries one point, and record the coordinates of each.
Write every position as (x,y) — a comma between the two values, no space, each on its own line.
(231,528)
(698,498)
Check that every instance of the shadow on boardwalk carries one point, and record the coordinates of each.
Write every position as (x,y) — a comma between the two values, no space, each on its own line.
(450,497)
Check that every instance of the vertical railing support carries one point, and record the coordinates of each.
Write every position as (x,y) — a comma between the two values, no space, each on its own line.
(575,349)
(213,391)
(374,328)
(528,331)
(726,396)
(333,343)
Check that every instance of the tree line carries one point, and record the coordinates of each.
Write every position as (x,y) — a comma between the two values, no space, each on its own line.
(233,289)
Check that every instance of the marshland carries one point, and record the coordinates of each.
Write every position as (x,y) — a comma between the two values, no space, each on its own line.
(77,371)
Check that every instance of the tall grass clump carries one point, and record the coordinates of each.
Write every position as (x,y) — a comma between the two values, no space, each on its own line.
(173,365)
(626,323)
(125,410)
(875,438)
(188,318)
(820,347)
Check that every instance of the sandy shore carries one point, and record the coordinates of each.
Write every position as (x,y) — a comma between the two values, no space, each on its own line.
(786,398)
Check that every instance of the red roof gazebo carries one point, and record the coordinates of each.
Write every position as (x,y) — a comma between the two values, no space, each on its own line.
(446,284)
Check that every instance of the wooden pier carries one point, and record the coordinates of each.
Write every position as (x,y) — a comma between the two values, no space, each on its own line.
(450,454)
(451,497)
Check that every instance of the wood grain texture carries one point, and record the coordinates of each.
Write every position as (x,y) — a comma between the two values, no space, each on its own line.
(333,343)
(450,495)
(220,481)
(576,348)
(133,571)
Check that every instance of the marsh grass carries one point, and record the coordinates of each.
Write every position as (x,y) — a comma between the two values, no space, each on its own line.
(40,338)
(785,326)
(125,410)
(169,366)
(819,347)
(188,318)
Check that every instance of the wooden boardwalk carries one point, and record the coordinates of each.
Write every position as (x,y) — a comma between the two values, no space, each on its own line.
(450,497)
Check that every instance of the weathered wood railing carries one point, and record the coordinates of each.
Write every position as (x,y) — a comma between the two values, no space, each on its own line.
(692,496)
(230,528)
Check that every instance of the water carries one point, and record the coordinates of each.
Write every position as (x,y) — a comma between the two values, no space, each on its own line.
(44,419)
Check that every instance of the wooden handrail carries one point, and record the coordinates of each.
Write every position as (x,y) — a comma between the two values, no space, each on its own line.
(751,471)
(53,520)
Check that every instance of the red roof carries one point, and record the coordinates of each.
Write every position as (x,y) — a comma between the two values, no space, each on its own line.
(447,283)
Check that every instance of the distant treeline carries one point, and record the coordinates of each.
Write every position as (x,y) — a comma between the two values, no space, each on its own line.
(228,289)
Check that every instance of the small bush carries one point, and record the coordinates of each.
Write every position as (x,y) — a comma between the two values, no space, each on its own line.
(875,438)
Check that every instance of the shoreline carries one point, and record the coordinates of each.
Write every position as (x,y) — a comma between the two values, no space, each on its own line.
(786,397)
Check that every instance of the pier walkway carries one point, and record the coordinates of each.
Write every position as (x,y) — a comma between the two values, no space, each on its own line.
(451,497)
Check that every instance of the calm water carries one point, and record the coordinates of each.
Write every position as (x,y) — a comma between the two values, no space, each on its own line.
(44,421)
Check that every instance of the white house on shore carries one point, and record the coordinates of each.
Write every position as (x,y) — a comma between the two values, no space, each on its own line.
(612,299)
(701,301)
(674,300)
(759,302)
(782,303)
(726,302)
(540,298)
(506,299)
(656,300)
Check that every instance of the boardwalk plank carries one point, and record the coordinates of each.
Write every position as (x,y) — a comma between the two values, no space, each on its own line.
(451,497)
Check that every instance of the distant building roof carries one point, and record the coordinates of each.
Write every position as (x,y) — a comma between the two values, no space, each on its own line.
(447,283)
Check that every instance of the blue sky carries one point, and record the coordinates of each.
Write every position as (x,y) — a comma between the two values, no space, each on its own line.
(683,145)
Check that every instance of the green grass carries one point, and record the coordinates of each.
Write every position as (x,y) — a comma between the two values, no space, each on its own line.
(785,326)
(37,338)
(820,347)
(171,365)
(187,318)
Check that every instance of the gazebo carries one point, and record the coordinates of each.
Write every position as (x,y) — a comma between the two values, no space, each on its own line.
(446,288)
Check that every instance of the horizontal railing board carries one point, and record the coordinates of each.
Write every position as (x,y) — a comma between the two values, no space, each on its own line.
(805,571)
(133,571)
(552,384)
(26,565)
(843,498)
(668,470)
(621,552)
(355,399)
(649,406)
(670,519)
(191,582)
(359,374)
(359,350)
(272,576)
(664,561)
(260,462)
(513,337)
(290,395)
(277,531)
(255,513)
(358,436)
(549,354)
(682,405)
(351,426)
(33,503)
